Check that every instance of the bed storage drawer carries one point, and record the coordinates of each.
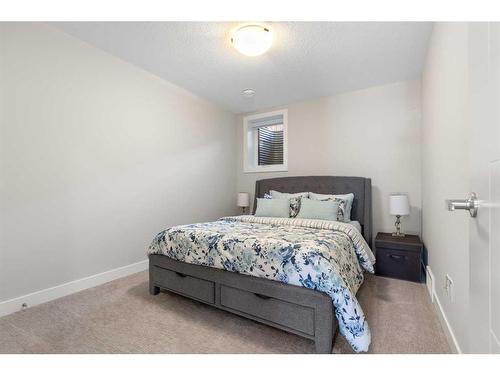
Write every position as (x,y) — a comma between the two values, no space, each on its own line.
(300,318)
(190,286)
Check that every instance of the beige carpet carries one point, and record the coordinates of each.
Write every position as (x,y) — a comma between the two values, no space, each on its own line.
(121,317)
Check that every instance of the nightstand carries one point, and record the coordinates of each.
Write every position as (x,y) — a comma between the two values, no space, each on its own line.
(399,257)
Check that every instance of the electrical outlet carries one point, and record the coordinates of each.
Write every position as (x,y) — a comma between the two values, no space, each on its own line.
(448,286)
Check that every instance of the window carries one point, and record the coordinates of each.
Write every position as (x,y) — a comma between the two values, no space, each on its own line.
(270,146)
(265,142)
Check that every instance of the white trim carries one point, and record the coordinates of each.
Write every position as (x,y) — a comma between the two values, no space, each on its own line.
(251,167)
(494,343)
(429,282)
(450,336)
(49,294)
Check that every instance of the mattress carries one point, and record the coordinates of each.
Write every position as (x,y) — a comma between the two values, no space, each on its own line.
(356,225)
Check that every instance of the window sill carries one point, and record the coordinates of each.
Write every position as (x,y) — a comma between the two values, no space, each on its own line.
(267,168)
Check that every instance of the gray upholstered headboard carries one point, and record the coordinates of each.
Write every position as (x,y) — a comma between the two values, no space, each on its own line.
(360,186)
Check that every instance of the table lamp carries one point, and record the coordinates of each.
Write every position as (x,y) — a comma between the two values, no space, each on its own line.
(399,206)
(243,201)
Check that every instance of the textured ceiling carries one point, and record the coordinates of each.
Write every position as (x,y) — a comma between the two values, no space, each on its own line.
(307,60)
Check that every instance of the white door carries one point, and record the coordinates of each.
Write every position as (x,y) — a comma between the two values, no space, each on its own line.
(484,243)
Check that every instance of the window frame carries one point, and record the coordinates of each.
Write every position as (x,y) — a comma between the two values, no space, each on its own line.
(250,147)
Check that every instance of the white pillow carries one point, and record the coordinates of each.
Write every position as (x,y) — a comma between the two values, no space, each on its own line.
(294,200)
(277,194)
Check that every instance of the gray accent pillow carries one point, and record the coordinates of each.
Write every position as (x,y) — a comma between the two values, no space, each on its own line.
(316,209)
(273,207)
(344,201)
(294,200)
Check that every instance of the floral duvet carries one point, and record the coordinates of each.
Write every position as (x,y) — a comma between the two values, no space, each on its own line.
(327,256)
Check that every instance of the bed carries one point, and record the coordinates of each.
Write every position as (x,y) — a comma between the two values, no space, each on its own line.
(278,293)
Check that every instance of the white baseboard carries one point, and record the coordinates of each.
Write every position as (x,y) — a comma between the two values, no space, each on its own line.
(448,331)
(49,294)
(429,282)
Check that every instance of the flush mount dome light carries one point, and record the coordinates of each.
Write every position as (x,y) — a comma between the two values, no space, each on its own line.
(252,40)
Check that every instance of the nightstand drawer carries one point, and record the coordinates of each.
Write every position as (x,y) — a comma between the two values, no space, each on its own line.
(399,264)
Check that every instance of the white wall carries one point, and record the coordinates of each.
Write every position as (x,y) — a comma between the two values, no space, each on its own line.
(369,133)
(96,157)
(445,167)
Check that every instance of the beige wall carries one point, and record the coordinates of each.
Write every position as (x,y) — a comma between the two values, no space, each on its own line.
(96,157)
(445,167)
(369,133)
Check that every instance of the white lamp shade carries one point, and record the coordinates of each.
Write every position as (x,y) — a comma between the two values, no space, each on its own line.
(399,204)
(243,199)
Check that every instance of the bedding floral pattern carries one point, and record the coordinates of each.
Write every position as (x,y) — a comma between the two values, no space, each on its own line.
(327,256)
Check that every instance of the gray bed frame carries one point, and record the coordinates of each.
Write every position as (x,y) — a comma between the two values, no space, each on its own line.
(304,312)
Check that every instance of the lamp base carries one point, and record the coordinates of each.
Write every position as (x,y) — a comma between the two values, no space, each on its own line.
(397,224)
(396,234)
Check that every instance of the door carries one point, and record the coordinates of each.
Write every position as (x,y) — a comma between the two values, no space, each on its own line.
(484,156)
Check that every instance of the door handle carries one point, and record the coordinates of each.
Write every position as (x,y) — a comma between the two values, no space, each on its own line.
(470,204)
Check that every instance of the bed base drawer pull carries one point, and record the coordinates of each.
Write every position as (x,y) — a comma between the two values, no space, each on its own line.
(180,274)
(261,296)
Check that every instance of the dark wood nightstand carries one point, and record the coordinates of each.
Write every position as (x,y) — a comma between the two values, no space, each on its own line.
(399,257)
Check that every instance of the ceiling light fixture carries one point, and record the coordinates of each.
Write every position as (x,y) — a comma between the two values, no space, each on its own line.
(248,93)
(252,40)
